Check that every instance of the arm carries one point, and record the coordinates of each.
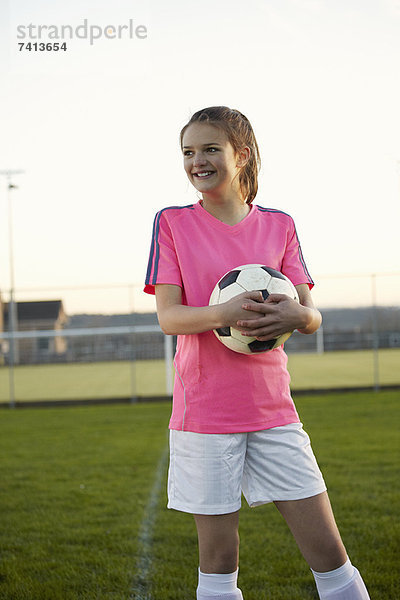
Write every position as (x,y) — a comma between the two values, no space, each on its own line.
(312,316)
(279,314)
(178,319)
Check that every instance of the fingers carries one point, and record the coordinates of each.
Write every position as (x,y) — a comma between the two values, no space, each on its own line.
(255,300)
(272,320)
(253,323)
(255,306)
(276,298)
(256,296)
(262,334)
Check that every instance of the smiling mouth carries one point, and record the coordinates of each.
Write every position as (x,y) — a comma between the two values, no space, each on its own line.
(203,174)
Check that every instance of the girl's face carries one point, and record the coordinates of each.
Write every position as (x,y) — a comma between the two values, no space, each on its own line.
(209,159)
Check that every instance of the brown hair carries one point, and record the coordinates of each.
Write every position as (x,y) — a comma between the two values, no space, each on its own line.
(240,134)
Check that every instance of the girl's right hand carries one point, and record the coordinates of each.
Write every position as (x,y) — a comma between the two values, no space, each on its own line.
(232,311)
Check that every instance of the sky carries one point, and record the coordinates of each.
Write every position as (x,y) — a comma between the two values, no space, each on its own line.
(95,129)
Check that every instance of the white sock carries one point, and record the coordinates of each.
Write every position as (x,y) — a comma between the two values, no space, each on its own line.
(218,585)
(344,583)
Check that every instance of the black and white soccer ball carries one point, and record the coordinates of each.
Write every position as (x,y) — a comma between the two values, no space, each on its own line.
(248,278)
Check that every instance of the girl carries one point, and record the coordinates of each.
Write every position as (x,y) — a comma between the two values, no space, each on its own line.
(234,427)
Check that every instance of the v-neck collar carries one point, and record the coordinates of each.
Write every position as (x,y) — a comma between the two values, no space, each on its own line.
(220,224)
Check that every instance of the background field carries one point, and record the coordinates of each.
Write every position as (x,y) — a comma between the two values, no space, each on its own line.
(83,504)
(121,379)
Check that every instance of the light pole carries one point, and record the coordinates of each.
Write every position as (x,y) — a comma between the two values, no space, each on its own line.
(12,309)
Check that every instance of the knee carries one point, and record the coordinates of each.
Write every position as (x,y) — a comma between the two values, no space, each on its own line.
(220,563)
(226,561)
(222,556)
(330,555)
(218,542)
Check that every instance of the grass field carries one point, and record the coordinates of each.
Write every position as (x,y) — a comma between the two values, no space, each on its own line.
(147,377)
(83,501)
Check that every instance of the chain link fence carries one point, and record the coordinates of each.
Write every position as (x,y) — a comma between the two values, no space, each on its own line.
(62,346)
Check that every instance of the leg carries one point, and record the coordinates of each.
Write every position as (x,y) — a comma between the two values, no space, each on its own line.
(313,526)
(205,479)
(218,542)
(219,556)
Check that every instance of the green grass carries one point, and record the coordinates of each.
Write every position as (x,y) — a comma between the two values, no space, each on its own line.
(147,377)
(344,369)
(118,379)
(75,484)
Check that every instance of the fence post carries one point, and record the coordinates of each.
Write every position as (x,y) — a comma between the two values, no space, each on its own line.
(375,334)
(12,347)
(133,377)
(168,353)
(320,340)
(132,362)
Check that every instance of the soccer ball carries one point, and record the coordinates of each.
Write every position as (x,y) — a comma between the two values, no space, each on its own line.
(247,278)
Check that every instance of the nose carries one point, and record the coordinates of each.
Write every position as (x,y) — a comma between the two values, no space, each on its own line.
(199,159)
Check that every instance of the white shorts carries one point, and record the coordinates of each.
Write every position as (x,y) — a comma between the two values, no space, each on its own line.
(208,472)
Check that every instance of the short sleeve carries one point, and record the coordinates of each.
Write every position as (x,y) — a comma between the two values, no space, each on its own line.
(293,263)
(163,265)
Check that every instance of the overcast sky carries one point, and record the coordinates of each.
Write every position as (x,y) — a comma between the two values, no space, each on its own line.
(96,129)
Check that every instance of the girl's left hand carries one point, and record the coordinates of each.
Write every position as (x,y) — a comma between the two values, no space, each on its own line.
(278,314)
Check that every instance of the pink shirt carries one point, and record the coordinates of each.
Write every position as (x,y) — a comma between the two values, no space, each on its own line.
(217,390)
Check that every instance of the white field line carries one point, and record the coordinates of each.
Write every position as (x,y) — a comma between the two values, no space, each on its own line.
(141,586)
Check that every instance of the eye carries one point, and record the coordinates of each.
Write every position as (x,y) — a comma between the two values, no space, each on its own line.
(187,153)
(211,149)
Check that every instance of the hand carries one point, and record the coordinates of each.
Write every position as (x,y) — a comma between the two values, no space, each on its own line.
(232,311)
(278,314)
